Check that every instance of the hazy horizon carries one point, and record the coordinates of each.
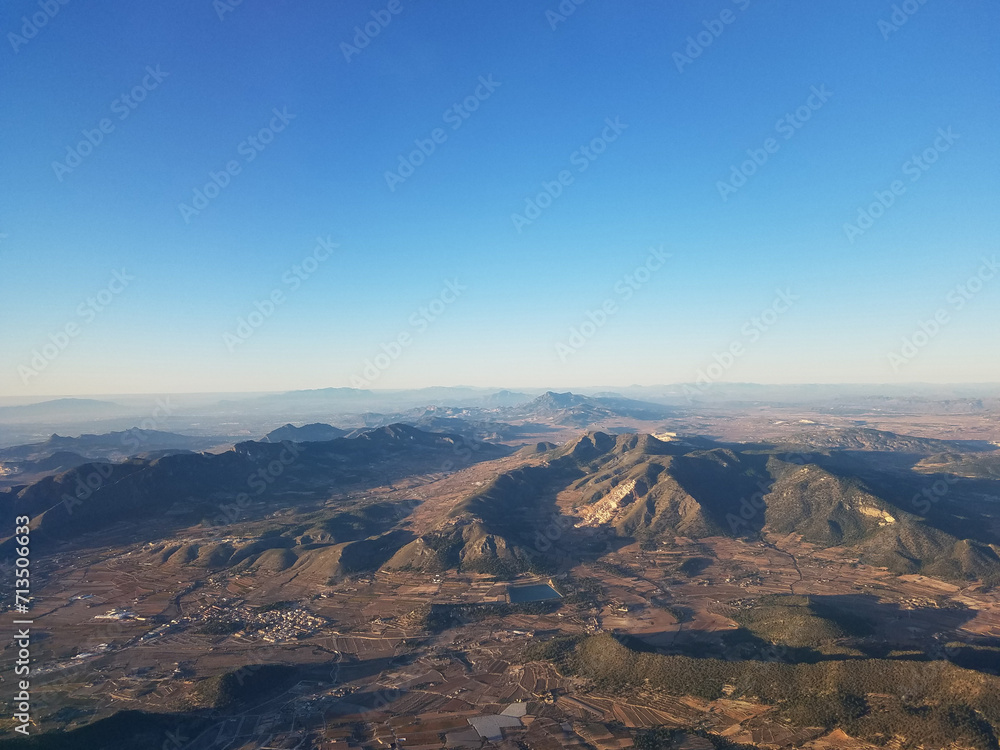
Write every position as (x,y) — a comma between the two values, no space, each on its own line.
(914,388)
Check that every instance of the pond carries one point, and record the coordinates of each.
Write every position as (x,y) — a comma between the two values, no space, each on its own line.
(532,592)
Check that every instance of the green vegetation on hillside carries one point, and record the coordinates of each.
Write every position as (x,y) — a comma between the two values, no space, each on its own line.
(928,702)
(798,621)
(247,685)
(662,738)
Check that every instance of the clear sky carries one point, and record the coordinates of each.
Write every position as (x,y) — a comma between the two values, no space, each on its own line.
(633,115)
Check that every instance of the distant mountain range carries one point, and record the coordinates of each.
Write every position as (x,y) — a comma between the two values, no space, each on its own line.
(254,414)
(310,433)
(636,486)
(67,409)
(628,486)
(357,400)
(955,398)
(496,423)
(112,445)
(23,464)
(192,488)
(572,410)
(547,410)
(670,394)
(866,439)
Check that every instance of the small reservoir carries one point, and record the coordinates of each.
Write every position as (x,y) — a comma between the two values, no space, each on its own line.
(532,592)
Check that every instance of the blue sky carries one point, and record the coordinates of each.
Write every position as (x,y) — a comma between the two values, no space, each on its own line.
(683,121)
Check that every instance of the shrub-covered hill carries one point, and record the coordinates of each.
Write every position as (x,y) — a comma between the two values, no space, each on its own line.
(930,703)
